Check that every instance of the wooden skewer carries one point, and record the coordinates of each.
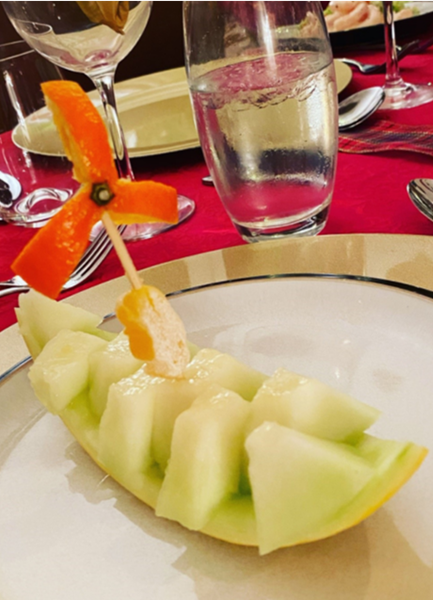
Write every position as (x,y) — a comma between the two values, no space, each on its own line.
(123,254)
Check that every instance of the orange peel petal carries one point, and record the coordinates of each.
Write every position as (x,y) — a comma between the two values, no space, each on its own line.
(82,131)
(143,202)
(49,258)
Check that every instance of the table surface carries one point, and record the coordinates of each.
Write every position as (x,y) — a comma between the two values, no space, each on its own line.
(370,196)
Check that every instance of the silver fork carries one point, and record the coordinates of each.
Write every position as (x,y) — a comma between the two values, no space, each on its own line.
(91,259)
(367,69)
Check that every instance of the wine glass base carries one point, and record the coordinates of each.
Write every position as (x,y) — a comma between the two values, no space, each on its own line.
(37,208)
(406,96)
(144,231)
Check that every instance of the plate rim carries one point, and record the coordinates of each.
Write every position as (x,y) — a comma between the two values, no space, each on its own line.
(208,268)
(374,281)
(179,82)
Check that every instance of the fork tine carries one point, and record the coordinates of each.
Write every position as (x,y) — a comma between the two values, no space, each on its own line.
(101,241)
(92,258)
(95,253)
(101,237)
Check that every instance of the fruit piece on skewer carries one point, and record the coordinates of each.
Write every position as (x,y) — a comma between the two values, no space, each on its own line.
(156,332)
(158,335)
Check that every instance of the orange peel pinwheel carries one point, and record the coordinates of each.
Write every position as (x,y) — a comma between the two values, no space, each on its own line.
(52,254)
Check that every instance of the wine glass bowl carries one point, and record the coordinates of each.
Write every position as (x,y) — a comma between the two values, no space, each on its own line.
(75,36)
(66,35)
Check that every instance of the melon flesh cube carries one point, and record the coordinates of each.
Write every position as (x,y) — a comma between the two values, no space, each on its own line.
(204,466)
(175,396)
(172,398)
(110,365)
(40,319)
(169,398)
(226,371)
(193,349)
(272,400)
(299,483)
(312,407)
(125,431)
(82,423)
(61,371)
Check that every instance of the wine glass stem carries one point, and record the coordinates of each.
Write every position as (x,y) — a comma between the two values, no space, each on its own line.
(393,77)
(105,86)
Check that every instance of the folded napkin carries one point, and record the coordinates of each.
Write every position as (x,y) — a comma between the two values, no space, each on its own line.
(380,135)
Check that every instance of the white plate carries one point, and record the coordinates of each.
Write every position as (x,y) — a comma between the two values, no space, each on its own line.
(155,112)
(68,532)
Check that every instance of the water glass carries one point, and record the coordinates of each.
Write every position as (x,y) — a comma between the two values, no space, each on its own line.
(264,95)
(33,184)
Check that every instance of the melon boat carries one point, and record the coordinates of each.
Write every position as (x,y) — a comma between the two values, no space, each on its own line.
(252,459)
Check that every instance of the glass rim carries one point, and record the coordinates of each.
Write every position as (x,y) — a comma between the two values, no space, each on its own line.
(23,50)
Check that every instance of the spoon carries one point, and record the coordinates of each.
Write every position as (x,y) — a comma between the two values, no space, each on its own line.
(352,111)
(355,109)
(10,190)
(421,193)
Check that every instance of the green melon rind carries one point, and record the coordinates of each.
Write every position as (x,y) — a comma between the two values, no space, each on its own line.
(234,521)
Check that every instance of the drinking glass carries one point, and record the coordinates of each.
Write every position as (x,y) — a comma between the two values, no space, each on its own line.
(398,93)
(263,89)
(33,186)
(92,38)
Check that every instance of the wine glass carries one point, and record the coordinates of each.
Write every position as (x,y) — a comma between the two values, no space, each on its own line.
(92,38)
(398,93)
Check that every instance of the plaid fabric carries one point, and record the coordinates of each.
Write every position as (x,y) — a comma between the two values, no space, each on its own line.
(382,135)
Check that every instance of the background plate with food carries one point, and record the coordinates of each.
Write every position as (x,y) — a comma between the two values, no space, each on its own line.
(413,20)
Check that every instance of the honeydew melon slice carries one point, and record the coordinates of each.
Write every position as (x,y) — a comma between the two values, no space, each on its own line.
(86,429)
(173,397)
(234,521)
(125,432)
(312,407)
(394,463)
(109,365)
(226,371)
(169,398)
(299,483)
(61,371)
(205,461)
(40,319)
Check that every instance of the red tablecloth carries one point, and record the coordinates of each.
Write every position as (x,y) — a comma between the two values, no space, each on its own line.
(370,196)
